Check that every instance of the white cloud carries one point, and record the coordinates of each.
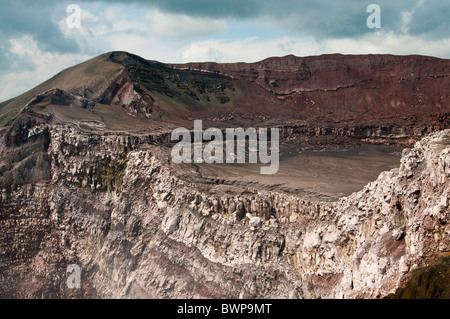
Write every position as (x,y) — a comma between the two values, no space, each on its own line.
(152,48)
(24,45)
(174,38)
(407,16)
(38,67)
(389,43)
(246,50)
(90,36)
(251,50)
(202,51)
(117,26)
(182,26)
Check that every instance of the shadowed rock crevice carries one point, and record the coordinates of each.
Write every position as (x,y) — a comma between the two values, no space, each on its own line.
(427,283)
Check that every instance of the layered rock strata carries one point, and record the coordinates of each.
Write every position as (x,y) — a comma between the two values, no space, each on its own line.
(114,205)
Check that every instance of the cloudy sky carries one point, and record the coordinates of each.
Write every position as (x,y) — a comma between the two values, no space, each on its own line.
(38,37)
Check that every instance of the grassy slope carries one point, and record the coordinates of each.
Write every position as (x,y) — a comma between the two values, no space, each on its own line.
(94,74)
(180,95)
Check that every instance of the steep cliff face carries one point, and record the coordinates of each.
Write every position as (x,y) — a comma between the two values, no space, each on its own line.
(347,85)
(113,205)
(86,179)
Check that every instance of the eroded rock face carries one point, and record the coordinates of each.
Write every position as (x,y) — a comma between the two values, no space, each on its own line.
(114,205)
(346,85)
(57,96)
(127,93)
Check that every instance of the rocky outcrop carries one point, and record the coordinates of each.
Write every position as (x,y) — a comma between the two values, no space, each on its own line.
(57,96)
(114,206)
(124,92)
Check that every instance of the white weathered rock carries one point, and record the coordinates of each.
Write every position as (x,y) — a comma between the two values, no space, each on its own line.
(151,234)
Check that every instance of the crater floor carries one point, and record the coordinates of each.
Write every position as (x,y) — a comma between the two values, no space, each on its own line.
(317,175)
